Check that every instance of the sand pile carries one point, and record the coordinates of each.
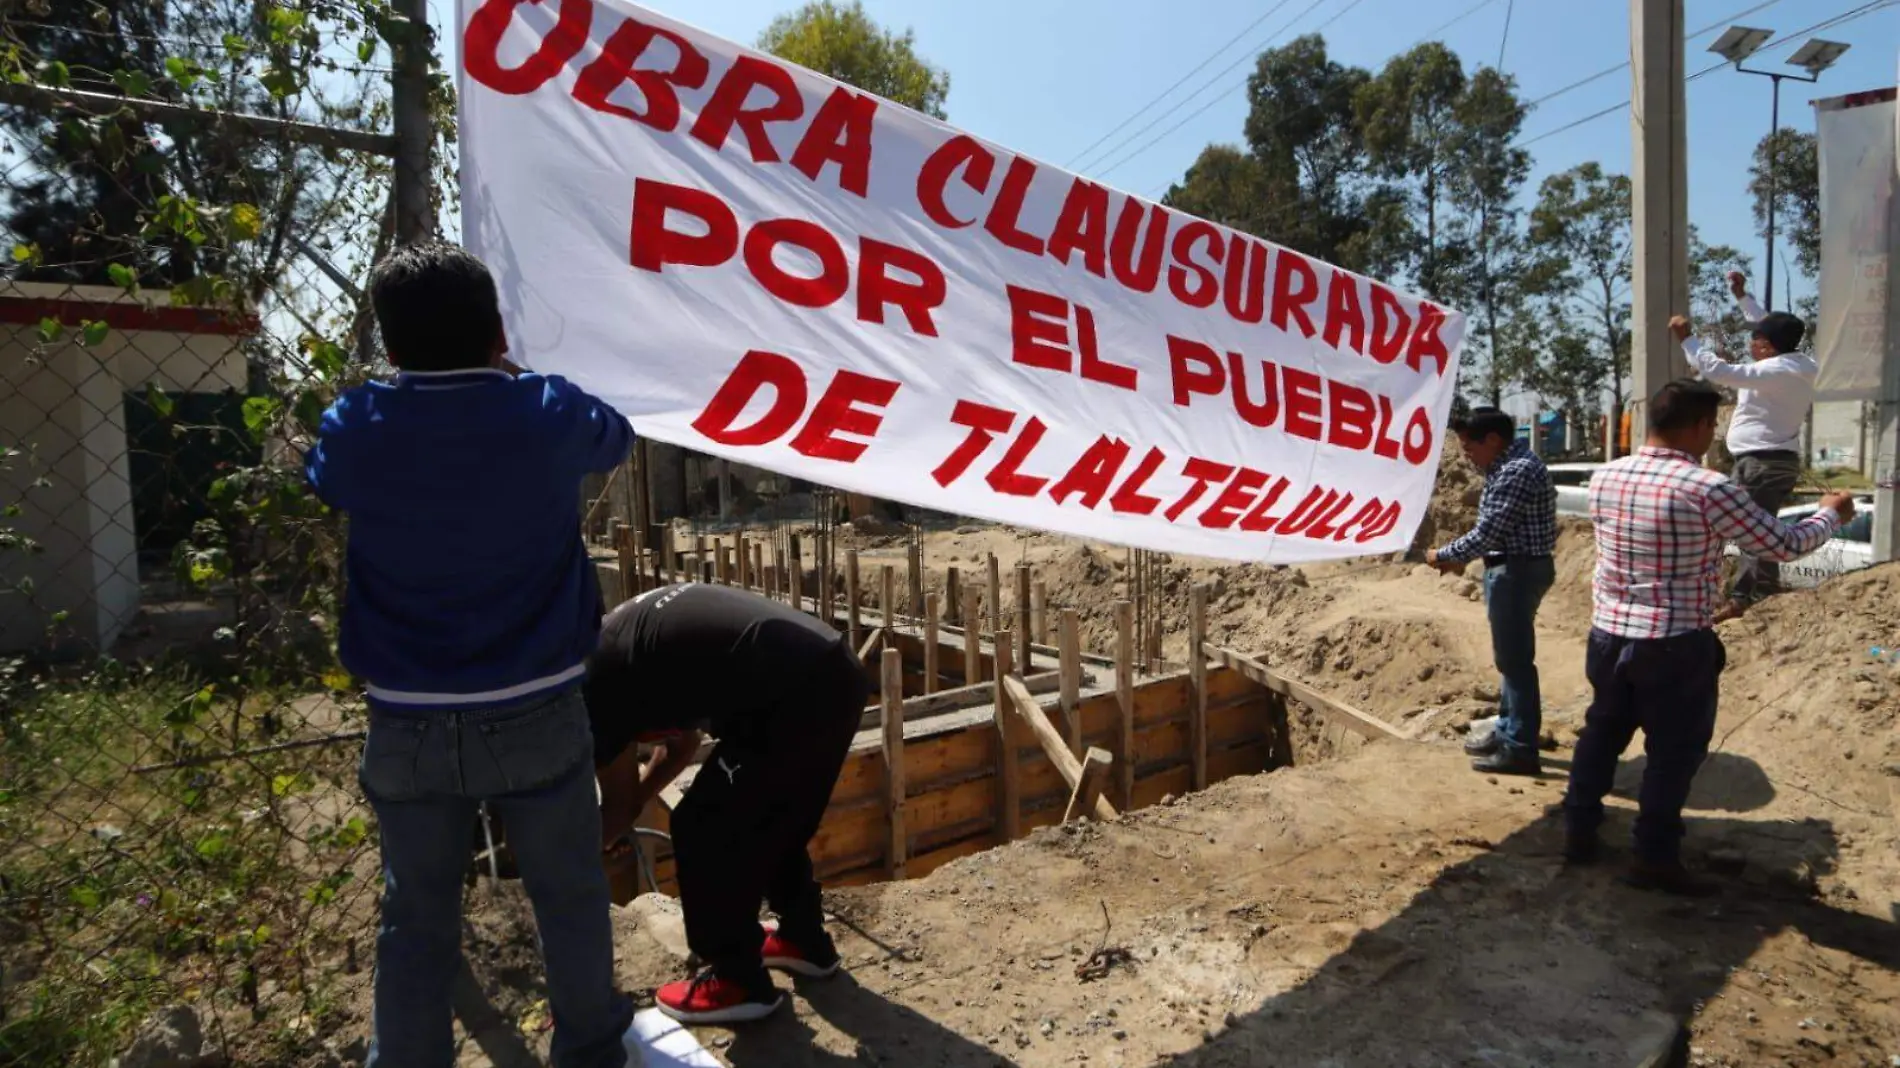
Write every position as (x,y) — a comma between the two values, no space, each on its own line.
(1803,692)
(1454,507)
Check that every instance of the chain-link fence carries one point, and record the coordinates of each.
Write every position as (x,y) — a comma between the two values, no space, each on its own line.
(190,196)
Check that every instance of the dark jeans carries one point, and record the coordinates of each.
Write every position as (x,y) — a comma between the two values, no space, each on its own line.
(1667,687)
(1769,479)
(426,773)
(1513,589)
(740,834)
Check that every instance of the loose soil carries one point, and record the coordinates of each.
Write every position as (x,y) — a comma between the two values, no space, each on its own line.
(1376,904)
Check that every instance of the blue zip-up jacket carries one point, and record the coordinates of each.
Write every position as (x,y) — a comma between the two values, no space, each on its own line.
(468,583)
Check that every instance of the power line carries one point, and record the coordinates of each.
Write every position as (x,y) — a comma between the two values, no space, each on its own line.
(1505,38)
(1218,75)
(1179,82)
(1838,20)
(1198,112)
(1607,71)
(1468,12)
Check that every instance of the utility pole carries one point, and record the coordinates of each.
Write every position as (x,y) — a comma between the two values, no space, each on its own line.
(415,133)
(1660,189)
(1886,450)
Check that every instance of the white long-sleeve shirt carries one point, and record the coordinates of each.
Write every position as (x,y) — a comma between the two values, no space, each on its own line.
(1772,396)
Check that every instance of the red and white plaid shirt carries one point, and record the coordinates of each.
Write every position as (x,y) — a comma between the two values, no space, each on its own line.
(1661,522)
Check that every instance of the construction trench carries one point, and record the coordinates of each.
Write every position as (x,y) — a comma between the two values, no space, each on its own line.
(969,743)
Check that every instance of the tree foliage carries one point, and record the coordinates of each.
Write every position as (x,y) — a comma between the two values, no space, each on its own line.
(1581,223)
(1789,162)
(840,40)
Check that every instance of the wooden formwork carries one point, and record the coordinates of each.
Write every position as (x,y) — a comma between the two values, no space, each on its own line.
(953,759)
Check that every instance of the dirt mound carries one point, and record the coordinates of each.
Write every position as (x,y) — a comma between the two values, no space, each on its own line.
(1803,689)
(1454,507)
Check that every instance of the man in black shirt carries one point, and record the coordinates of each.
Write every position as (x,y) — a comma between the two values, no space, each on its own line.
(783,694)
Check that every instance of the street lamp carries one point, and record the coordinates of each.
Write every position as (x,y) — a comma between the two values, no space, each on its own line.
(1736,44)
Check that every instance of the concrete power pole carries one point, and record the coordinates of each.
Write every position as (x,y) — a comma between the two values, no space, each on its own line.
(1886,414)
(1659,186)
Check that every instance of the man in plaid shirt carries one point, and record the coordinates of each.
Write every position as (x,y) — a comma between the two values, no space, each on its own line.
(1654,660)
(1516,532)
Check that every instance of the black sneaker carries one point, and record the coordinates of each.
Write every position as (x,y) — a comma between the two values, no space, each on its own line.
(1670,878)
(1482,743)
(1505,762)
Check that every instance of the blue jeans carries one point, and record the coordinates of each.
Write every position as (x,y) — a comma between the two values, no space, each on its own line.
(1513,589)
(425,773)
(1668,687)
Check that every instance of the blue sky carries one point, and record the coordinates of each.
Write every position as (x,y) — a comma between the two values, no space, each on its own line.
(1050,77)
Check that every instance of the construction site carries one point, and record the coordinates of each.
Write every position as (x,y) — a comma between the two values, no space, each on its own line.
(1106,806)
(1217,815)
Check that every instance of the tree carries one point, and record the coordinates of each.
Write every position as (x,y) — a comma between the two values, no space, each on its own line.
(1301,131)
(840,40)
(1501,272)
(171,202)
(1792,159)
(1567,367)
(1225,185)
(1712,305)
(1581,224)
(1409,118)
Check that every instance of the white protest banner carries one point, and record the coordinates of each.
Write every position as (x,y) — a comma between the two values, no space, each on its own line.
(1856,147)
(754,261)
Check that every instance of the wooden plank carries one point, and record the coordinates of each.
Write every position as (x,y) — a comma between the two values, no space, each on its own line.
(1043,625)
(629,569)
(936,704)
(1087,795)
(699,558)
(972,641)
(887,594)
(742,552)
(1052,744)
(1125,699)
(1346,715)
(1197,684)
(995,593)
(1008,772)
(931,646)
(894,760)
(795,571)
(916,574)
(952,597)
(871,643)
(957,804)
(937,858)
(851,595)
(1025,618)
(1151,788)
(758,569)
(1250,759)
(1069,666)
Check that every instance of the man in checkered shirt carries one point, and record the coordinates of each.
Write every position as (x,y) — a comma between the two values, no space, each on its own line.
(1516,532)
(1654,660)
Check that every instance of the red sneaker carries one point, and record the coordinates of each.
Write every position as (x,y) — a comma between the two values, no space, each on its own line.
(813,961)
(708,999)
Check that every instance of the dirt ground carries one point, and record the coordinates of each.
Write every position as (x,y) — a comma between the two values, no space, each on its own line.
(1376,904)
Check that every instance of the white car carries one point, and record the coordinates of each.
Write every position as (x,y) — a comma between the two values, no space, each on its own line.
(1573,487)
(1849,550)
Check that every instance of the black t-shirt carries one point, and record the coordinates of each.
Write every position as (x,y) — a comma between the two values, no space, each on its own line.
(699,657)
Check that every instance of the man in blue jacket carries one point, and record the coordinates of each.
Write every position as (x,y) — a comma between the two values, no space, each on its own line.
(470,610)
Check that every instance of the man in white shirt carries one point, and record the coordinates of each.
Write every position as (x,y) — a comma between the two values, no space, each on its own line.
(1772,396)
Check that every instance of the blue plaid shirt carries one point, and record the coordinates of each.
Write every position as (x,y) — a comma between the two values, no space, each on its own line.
(1517,516)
